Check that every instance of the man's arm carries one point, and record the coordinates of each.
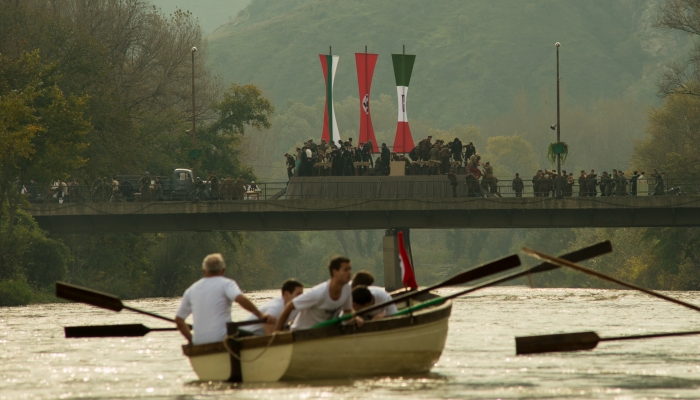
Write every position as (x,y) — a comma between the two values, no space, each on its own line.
(248,305)
(284,316)
(184,329)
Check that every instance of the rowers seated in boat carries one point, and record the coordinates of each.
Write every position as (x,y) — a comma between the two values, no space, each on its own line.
(324,301)
(364,296)
(209,301)
(291,289)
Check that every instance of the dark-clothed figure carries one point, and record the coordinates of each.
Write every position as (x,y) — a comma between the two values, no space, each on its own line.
(536,184)
(518,185)
(453,181)
(606,184)
(473,189)
(158,185)
(592,182)
(456,150)
(569,191)
(290,164)
(623,184)
(583,185)
(470,150)
(214,182)
(145,186)
(386,159)
(633,183)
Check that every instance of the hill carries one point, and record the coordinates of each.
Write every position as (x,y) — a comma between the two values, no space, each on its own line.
(472,56)
(211,13)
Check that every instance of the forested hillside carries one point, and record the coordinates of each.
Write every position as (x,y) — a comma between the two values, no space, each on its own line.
(472,56)
(210,13)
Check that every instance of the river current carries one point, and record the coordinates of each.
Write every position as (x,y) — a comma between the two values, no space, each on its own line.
(37,362)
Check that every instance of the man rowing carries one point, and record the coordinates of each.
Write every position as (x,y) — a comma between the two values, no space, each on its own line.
(209,301)
(291,289)
(324,301)
(364,294)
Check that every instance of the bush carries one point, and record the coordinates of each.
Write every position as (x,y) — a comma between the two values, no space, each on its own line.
(15,293)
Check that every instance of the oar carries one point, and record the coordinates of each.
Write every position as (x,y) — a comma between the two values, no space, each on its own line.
(564,263)
(578,341)
(98,299)
(475,273)
(128,330)
(579,255)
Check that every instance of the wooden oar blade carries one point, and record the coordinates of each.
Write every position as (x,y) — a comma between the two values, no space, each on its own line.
(586,253)
(129,330)
(482,271)
(556,343)
(88,296)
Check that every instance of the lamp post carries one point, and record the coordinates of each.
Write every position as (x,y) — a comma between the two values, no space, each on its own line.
(557,45)
(194,128)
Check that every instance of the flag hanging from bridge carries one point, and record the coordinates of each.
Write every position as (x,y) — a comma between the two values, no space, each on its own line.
(329,63)
(407,276)
(365,69)
(403,66)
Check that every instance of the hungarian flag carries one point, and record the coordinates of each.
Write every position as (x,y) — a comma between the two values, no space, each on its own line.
(407,276)
(403,66)
(329,63)
(365,69)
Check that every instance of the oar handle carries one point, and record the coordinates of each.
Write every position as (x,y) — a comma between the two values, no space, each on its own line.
(154,315)
(649,336)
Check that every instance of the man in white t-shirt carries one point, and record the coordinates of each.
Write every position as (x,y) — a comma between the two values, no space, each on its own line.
(366,296)
(209,301)
(324,301)
(378,295)
(291,289)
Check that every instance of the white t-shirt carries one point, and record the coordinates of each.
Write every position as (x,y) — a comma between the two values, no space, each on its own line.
(209,301)
(316,305)
(380,296)
(273,307)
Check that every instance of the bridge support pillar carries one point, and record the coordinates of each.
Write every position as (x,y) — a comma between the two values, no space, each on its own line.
(392,267)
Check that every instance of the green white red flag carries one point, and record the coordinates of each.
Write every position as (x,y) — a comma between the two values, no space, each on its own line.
(329,63)
(365,69)
(407,276)
(403,66)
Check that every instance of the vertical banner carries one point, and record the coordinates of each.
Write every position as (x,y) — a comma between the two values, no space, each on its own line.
(365,69)
(329,63)
(403,66)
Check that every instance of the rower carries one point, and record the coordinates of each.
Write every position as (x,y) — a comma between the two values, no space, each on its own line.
(324,301)
(209,301)
(365,279)
(291,288)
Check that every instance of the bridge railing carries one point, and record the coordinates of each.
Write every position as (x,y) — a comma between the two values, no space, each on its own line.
(357,187)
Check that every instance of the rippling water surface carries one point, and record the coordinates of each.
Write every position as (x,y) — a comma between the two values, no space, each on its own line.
(479,360)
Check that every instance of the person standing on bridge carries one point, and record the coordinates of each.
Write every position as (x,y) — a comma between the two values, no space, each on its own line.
(324,301)
(209,301)
(386,160)
(214,188)
(145,189)
(518,185)
(583,184)
(453,181)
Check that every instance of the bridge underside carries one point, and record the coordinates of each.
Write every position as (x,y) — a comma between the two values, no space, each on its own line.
(358,214)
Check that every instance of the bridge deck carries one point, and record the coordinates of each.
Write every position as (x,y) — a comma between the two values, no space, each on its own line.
(354,214)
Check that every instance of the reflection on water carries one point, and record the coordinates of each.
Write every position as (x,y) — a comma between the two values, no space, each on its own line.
(479,359)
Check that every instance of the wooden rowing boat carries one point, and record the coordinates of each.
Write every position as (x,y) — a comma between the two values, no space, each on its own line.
(404,344)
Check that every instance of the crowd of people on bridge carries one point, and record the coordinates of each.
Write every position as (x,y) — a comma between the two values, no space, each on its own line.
(209,302)
(346,159)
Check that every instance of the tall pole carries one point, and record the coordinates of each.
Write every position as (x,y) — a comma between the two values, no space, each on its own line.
(557,45)
(194,126)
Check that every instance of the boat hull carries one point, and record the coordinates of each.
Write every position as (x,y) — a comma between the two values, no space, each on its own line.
(407,344)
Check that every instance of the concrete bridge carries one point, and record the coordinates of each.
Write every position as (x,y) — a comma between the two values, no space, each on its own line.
(372,213)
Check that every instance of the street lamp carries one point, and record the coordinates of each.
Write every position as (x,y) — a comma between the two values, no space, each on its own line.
(558,126)
(194,128)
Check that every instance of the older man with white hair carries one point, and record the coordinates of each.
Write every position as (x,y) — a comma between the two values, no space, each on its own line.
(209,301)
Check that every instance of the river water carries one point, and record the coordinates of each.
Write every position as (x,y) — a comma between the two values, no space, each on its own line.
(37,362)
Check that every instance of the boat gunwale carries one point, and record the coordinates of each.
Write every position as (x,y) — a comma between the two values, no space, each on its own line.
(420,317)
